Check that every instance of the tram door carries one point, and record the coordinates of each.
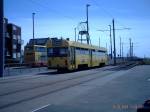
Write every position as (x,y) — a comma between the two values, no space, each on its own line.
(91,58)
(72,56)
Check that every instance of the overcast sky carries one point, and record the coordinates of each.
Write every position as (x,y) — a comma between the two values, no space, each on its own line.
(56,18)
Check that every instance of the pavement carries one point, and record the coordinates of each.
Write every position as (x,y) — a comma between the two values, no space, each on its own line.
(18,71)
(104,89)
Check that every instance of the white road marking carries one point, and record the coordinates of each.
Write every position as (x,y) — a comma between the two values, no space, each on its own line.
(41,108)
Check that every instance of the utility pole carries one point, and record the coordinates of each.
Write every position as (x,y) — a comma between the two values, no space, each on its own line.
(87,21)
(110,42)
(114,41)
(2,41)
(120,47)
(75,31)
(33,15)
(130,50)
(122,50)
(106,46)
(99,42)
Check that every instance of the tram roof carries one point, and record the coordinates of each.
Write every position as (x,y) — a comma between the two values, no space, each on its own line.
(86,46)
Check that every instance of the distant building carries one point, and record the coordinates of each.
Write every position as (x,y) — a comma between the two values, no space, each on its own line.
(38,41)
(13,42)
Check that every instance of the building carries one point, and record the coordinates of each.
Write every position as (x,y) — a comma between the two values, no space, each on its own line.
(5,27)
(13,42)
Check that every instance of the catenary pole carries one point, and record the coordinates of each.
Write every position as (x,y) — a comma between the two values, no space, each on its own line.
(2,41)
(87,21)
(33,21)
(113,22)
(110,42)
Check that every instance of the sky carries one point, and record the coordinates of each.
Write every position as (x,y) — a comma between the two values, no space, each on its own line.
(58,18)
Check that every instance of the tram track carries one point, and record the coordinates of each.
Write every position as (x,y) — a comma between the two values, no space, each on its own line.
(46,84)
(60,85)
(18,80)
(57,89)
(13,80)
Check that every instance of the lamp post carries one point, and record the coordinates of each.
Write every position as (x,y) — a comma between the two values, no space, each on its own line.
(87,21)
(33,17)
(99,42)
(2,41)
(110,42)
(75,33)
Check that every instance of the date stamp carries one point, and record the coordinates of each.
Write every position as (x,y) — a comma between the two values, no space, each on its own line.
(126,106)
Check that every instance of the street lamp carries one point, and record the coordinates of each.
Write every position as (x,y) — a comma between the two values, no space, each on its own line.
(75,33)
(110,42)
(87,21)
(114,40)
(2,39)
(33,15)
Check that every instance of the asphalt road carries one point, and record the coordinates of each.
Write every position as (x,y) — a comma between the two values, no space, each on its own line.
(107,89)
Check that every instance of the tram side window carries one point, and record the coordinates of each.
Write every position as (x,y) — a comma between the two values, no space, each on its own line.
(86,51)
(102,53)
(43,57)
(57,51)
(77,50)
(93,52)
(50,51)
(82,51)
(29,48)
(63,51)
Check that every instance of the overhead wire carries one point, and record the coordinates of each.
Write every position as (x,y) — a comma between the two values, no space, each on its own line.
(100,6)
(52,10)
(108,13)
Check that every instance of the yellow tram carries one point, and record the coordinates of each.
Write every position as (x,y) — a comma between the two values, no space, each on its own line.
(35,55)
(64,54)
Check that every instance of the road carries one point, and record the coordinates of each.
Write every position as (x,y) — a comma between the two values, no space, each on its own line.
(107,89)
